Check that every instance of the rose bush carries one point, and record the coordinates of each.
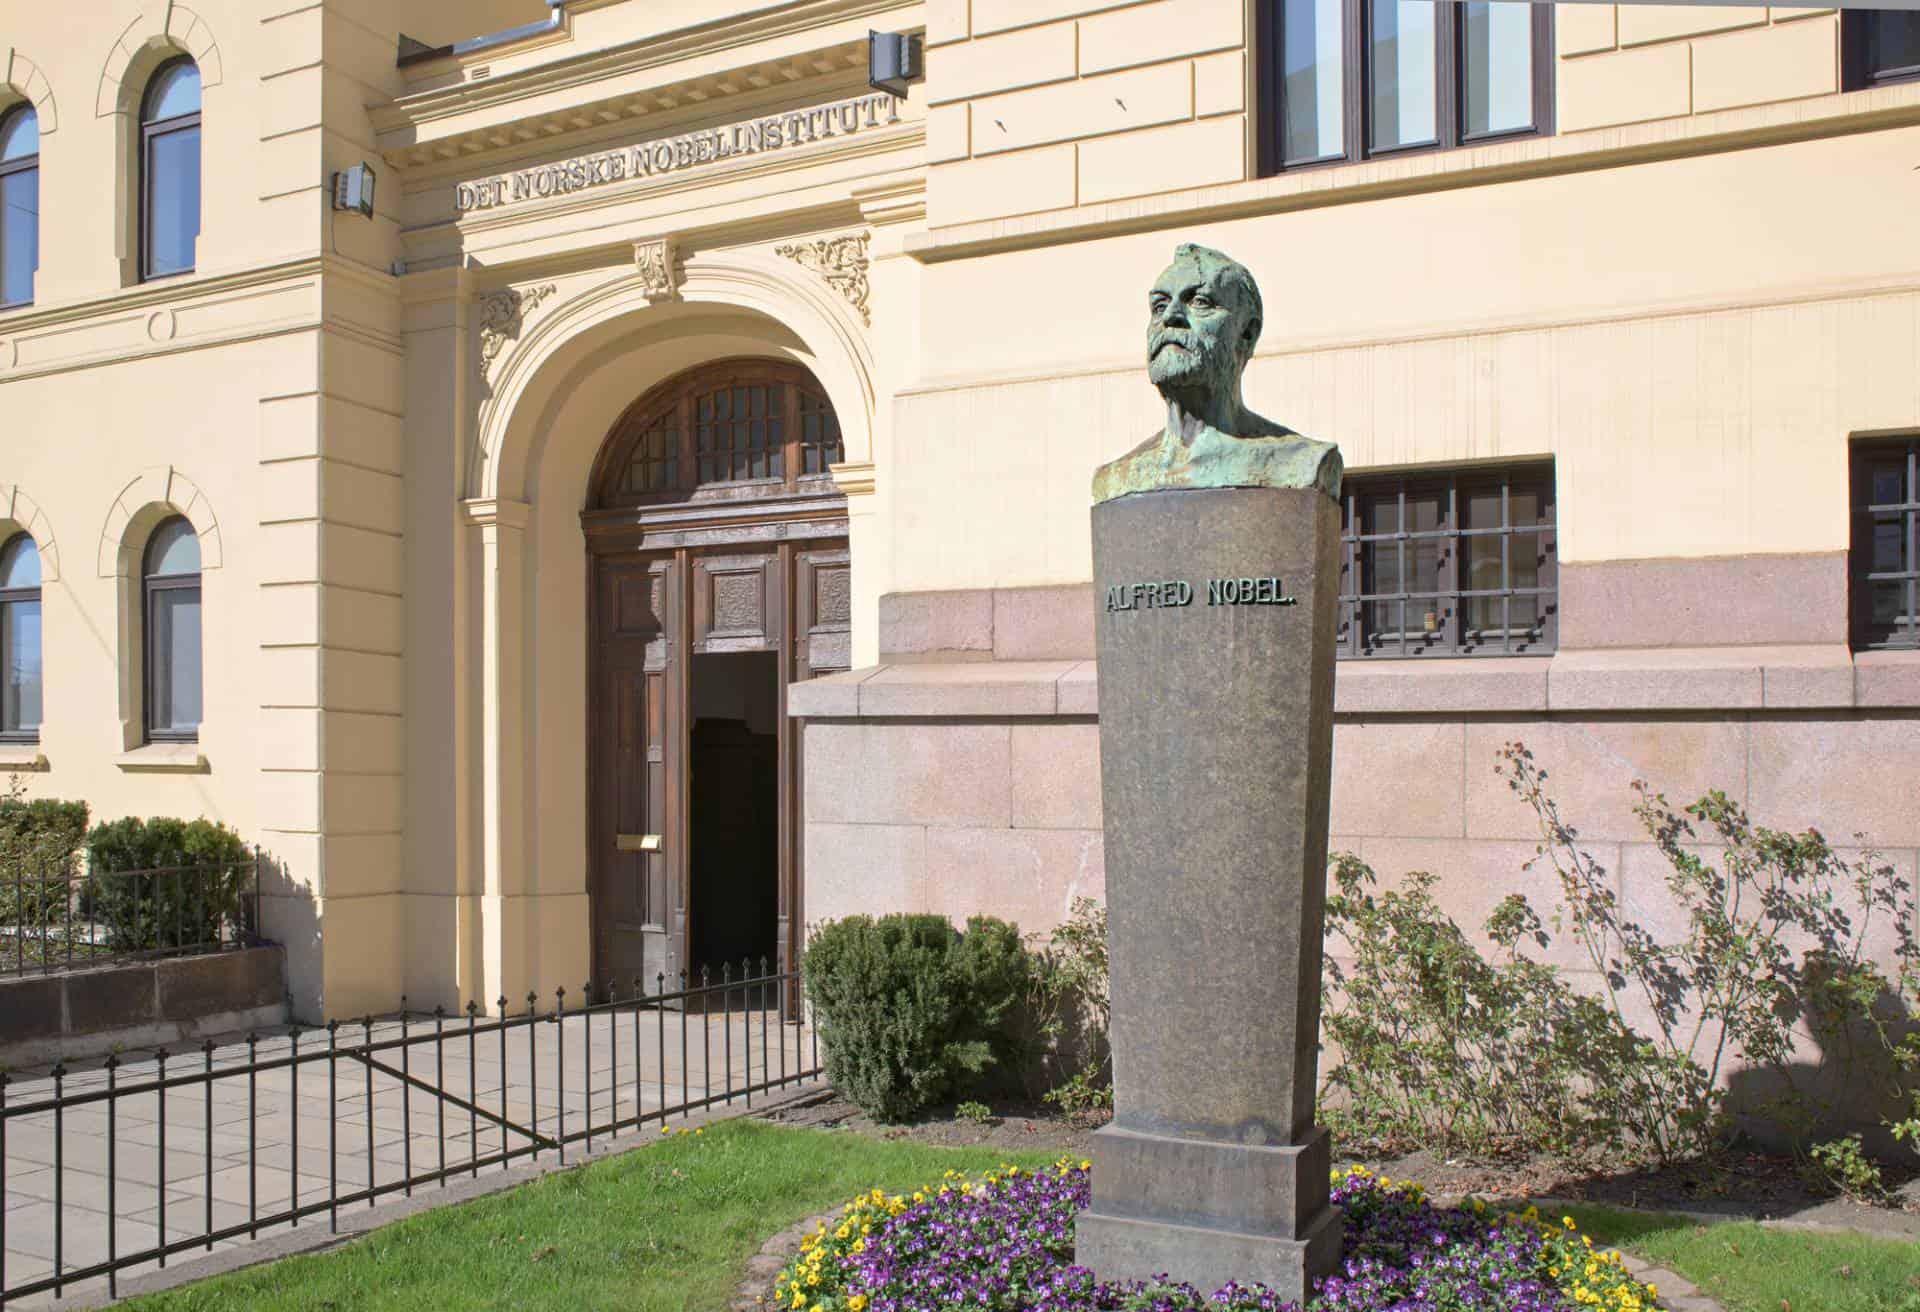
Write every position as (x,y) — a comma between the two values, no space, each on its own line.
(1005,1241)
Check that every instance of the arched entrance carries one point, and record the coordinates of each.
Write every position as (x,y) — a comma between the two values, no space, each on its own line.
(718,574)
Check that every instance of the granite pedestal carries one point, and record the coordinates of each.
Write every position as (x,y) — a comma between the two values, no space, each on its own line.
(1215,615)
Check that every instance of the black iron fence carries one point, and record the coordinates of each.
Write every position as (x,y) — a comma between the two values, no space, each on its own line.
(71,920)
(129,1162)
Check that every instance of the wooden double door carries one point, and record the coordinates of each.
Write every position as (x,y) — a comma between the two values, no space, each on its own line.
(694,768)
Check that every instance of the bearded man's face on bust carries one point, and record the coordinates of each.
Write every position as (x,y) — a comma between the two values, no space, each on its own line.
(1195,326)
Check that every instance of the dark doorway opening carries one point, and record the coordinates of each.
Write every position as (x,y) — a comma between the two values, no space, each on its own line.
(735,847)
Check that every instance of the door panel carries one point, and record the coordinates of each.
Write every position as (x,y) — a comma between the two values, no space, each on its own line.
(632,719)
(653,609)
(734,607)
(822,612)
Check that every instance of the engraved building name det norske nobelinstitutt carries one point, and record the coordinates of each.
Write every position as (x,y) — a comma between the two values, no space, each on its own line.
(687,150)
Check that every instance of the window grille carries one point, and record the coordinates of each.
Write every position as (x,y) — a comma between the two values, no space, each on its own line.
(1449,563)
(1885,560)
(819,434)
(738,434)
(655,465)
(744,421)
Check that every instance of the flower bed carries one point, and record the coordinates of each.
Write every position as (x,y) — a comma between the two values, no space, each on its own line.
(1005,1241)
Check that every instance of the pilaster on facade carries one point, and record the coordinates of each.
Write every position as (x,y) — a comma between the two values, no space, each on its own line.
(332,529)
(500,913)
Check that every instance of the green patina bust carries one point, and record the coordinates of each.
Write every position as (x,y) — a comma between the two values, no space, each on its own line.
(1204,316)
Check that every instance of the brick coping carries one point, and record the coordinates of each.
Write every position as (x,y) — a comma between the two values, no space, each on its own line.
(1815,676)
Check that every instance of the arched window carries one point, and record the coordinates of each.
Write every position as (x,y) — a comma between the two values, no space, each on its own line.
(20,640)
(752,426)
(19,204)
(170,170)
(170,589)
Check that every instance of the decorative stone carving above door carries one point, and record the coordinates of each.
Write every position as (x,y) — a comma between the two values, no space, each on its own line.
(658,263)
(842,261)
(502,316)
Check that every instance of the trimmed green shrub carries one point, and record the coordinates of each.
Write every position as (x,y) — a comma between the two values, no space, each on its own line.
(203,872)
(910,1011)
(39,854)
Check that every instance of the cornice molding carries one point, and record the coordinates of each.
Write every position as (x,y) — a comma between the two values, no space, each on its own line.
(895,201)
(169,294)
(663,110)
(589,67)
(855,478)
(404,127)
(496,512)
(162,306)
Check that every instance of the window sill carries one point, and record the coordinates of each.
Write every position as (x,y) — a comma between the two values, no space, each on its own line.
(164,758)
(23,758)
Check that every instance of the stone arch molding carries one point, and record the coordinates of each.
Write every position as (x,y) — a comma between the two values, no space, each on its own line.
(161,30)
(23,77)
(777,289)
(158,491)
(20,513)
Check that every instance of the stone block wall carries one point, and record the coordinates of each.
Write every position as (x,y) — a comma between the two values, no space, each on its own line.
(946,780)
(1632,63)
(921,795)
(141,1004)
(1050,104)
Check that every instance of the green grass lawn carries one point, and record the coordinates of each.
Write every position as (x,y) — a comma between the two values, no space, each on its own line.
(670,1228)
(1747,1268)
(665,1229)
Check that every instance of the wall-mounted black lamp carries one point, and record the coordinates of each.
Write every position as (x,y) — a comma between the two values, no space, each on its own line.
(894,61)
(353,189)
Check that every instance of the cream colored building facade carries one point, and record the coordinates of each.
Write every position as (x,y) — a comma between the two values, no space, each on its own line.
(464,622)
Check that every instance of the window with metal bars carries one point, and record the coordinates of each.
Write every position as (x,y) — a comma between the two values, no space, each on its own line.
(737,436)
(731,422)
(1449,563)
(655,463)
(819,434)
(1884,566)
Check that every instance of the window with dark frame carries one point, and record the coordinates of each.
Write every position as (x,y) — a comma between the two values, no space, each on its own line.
(170,596)
(1449,563)
(1345,80)
(170,171)
(21,668)
(19,204)
(1878,46)
(1884,562)
(748,421)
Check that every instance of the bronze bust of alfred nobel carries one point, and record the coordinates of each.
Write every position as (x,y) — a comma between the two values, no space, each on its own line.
(1204,317)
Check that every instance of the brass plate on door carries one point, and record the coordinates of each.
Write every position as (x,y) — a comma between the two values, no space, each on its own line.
(636,842)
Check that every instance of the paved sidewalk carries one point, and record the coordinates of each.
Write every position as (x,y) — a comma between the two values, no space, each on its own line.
(239,1147)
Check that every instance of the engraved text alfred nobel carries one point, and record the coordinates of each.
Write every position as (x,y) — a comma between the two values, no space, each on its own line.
(1244,591)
